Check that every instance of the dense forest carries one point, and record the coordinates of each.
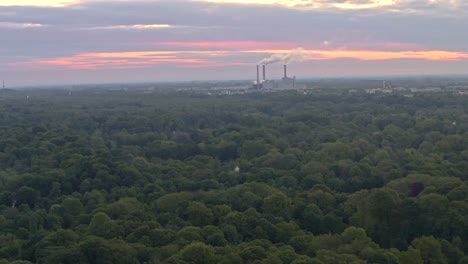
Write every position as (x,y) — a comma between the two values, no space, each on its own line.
(126,177)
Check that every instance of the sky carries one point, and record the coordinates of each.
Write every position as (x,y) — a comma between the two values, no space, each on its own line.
(44,42)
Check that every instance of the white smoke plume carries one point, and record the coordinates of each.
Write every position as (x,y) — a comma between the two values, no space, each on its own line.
(296,55)
(272,59)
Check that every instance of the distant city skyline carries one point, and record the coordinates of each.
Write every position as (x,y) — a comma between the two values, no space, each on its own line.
(89,41)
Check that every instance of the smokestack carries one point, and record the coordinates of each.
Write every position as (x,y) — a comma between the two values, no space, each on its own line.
(258,76)
(264,72)
(285,71)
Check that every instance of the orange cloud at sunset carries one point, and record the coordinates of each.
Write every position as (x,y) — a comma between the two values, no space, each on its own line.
(434,55)
(90,61)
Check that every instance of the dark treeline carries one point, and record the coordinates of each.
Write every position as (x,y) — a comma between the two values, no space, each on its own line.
(122,177)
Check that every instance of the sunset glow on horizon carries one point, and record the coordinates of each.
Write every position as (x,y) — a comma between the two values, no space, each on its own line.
(196,39)
(130,59)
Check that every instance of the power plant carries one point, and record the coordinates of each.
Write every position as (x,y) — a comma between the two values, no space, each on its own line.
(285,83)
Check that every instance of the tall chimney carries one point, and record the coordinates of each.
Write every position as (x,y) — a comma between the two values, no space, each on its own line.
(258,76)
(264,72)
(285,71)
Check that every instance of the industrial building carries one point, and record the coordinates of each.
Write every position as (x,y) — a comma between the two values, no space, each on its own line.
(286,83)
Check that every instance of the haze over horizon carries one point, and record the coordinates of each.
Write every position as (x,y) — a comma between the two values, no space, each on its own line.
(86,41)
